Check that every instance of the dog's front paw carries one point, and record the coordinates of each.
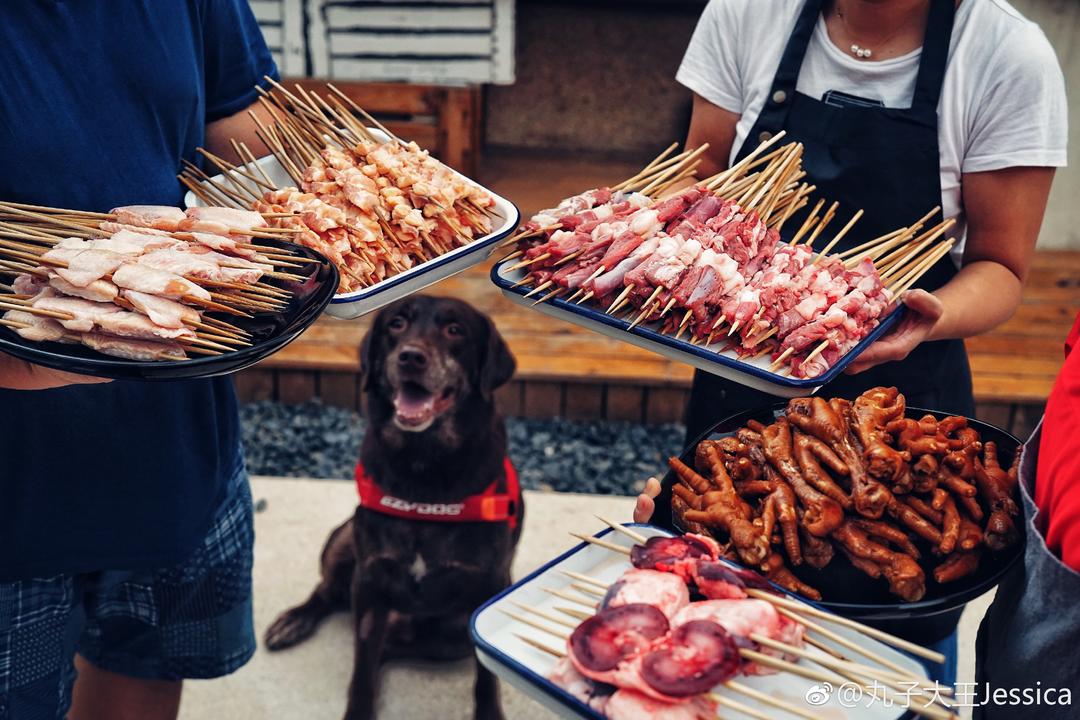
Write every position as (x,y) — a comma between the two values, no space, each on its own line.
(492,712)
(291,627)
(360,709)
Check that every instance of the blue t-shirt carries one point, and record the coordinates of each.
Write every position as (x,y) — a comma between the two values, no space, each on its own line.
(99,102)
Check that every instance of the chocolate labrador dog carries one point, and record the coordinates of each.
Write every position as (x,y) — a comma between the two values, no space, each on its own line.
(435,449)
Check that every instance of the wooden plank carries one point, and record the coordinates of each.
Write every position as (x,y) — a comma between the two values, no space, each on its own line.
(665,405)
(296,386)
(254,385)
(266,10)
(340,389)
(1039,367)
(510,398)
(542,400)
(323,357)
(444,72)
(392,98)
(1009,345)
(625,403)
(458,125)
(584,401)
(993,387)
(416,45)
(419,18)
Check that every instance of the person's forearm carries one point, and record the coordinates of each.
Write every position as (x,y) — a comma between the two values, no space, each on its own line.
(16,374)
(240,127)
(983,295)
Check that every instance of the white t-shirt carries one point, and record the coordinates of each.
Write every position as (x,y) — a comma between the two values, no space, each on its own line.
(1002,103)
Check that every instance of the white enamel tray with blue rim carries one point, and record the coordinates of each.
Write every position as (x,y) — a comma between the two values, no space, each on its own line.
(525,667)
(361,302)
(726,364)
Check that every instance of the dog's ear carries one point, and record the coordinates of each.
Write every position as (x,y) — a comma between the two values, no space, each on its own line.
(497,364)
(369,354)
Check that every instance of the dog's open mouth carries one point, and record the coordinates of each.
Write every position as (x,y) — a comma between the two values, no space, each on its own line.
(416,407)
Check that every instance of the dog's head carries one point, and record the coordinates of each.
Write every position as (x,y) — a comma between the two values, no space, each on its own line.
(425,358)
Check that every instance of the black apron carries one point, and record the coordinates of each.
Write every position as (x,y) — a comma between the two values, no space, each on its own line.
(1029,637)
(887,162)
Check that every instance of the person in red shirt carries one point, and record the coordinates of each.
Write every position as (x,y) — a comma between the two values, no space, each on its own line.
(1029,641)
(1057,481)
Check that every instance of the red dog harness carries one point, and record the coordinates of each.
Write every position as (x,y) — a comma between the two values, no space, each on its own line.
(492,505)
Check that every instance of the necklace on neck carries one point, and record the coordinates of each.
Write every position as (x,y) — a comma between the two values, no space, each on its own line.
(862,52)
(857,50)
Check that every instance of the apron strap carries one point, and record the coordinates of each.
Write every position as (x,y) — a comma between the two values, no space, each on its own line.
(787,74)
(773,116)
(935,54)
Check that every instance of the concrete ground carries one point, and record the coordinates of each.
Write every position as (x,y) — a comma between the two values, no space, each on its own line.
(310,681)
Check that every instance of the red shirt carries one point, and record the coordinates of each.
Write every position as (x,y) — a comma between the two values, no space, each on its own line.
(1057,483)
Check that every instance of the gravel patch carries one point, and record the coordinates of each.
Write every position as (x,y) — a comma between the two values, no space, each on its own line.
(319,441)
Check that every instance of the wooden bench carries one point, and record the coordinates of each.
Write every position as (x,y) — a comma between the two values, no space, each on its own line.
(444,120)
(566,371)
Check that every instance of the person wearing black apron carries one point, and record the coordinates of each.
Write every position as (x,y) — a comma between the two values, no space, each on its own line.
(886,161)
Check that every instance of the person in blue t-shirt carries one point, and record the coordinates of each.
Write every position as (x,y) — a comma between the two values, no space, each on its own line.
(125,512)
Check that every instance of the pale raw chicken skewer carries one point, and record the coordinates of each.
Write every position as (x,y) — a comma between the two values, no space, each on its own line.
(126,283)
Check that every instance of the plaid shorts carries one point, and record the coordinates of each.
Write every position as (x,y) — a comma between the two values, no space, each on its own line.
(191,620)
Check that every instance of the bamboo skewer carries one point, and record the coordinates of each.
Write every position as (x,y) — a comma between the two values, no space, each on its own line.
(719,184)
(529,261)
(834,664)
(620,299)
(660,190)
(845,643)
(808,223)
(895,261)
(661,162)
(572,598)
(905,284)
(672,166)
(676,169)
(817,351)
(539,288)
(872,248)
(935,713)
(829,215)
(789,168)
(839,236)
(656,161)
(768,177)
(796,204)
(553,294)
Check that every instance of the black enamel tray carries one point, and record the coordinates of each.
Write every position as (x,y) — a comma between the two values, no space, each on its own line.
(270,332)
(846,590)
